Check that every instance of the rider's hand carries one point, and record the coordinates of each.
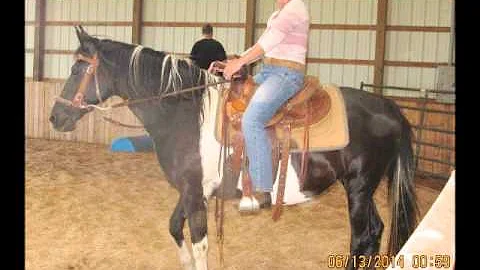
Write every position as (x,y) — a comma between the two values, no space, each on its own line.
(232,67)
(212,69)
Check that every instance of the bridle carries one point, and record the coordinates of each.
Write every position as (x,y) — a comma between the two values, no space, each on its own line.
(79,98)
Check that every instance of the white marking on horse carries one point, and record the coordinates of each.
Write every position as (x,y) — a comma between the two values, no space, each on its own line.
(185,257)
(209,146)
(200,251)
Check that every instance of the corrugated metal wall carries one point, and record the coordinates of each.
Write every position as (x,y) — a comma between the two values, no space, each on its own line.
(29,37)
(180,39)
(416,45)
(60,39)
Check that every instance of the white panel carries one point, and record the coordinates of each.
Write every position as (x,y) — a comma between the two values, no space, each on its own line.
(64,11)
(342,75)
(195,11)
(212,10)
(53,10)
(263,10)
(74,7)
(101,10)
(339,11)
(431,12)
(233,39)
(83,11)
(169,11)
(338,44)
(92,14)
(444,12)
(368,12)
(29,10)
(51,37)
(327,12)
(326,44)
(397,46)
(28,64)
(419,12)
(191,11)
(314,42)
(223,11)
(29,36)
(57,66)
(366,45)
(443,47)
(417,46)
(180,11)
(409,77)
(191,35)
(150,9)
(201,11)
(64,37)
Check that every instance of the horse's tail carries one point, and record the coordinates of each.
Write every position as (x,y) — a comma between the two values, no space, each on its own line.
(402,189)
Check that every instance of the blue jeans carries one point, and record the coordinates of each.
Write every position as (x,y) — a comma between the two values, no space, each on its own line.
(276,86)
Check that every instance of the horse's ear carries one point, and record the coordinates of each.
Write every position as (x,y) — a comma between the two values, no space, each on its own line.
(81,34)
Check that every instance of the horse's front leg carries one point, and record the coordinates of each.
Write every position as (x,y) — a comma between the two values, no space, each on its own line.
(195,206)
(177,222)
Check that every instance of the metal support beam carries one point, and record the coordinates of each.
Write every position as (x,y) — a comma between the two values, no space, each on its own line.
(382,8)
(39,40)
(137,21)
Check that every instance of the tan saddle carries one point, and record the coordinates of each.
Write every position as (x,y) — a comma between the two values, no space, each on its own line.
(309,106)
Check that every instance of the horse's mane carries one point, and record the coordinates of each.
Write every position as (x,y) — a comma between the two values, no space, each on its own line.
(150,72)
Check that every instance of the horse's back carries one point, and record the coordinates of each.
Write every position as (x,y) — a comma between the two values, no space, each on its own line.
(371,114)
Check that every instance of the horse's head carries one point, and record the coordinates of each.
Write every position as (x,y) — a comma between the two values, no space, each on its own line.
(86,85)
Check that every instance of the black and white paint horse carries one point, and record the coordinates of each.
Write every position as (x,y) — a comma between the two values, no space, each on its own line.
(380,141)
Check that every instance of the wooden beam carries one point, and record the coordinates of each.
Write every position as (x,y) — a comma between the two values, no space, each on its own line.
(88,23)
(250,24)
(192,24)
(340,61)
(137,21)
(382,8)
(411,28)
(39,40)
(414,64)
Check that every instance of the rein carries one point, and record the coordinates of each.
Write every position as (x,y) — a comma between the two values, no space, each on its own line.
(79,102)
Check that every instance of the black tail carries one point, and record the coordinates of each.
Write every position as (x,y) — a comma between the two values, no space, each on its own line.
(402,190)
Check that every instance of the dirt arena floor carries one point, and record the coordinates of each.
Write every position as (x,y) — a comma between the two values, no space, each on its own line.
(89,208)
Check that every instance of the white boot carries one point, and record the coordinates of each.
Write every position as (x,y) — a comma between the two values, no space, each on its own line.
(248,204)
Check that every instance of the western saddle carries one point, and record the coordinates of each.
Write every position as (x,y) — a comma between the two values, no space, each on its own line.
(305,108)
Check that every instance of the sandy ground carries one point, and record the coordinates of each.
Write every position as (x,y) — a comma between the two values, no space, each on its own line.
(89,208)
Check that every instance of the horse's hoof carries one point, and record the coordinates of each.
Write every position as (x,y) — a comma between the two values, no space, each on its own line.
(248,205)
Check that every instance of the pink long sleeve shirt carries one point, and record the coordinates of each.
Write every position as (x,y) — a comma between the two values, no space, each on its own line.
(286,36)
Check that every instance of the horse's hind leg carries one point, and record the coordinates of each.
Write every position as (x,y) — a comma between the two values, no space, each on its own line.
(177,222)
(366,224)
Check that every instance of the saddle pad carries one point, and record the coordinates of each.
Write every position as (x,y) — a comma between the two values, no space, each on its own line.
(330,133)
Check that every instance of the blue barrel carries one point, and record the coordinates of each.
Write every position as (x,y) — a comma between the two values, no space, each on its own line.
(133,144)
